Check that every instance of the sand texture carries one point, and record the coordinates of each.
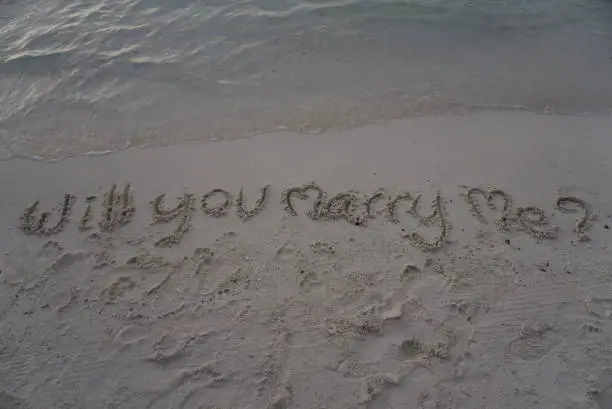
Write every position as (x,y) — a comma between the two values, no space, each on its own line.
(434,263)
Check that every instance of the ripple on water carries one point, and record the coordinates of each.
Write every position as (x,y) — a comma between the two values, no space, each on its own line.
(83,78)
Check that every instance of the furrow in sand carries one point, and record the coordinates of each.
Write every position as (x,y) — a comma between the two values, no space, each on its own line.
(86,363)
(529,310)
(19,367)
(540,299)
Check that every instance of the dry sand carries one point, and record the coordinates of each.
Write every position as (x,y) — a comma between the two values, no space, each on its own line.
(492,290)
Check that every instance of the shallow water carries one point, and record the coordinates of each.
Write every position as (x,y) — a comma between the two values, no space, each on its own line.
(83,77)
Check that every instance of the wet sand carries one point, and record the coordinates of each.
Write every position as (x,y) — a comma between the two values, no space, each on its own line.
(454,262)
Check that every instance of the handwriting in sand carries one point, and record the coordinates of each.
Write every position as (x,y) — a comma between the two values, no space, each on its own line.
(117,209)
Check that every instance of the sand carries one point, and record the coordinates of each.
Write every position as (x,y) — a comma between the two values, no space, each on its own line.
(455,262)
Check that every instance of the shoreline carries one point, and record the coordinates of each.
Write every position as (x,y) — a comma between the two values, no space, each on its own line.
(459,112)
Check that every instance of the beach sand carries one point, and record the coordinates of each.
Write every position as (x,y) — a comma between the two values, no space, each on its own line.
(453,262)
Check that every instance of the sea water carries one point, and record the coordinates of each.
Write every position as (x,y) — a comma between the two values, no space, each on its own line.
(94,76)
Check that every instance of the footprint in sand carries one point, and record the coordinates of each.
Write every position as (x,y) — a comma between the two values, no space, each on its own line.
(356,369)
(226,241)
(117,289)
(51,248)
(202,257)
(171,347)
(57,274)
(410,271)
(235,284)
(20,265)
(535,342)
(410,349)
(62,299)
(308,281)
(591,326)
(323,248)
(600,307)
(375,387)
(287,252)
(66,260)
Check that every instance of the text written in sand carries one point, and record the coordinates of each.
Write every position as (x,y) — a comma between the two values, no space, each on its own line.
(116,208)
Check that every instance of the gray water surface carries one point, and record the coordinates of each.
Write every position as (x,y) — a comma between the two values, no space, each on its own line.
(89,76)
